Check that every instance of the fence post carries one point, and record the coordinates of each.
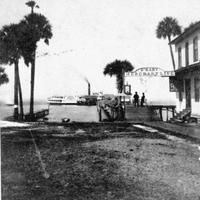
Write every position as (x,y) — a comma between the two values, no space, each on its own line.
(100,116)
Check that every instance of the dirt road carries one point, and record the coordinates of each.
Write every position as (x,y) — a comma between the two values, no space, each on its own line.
(98,162)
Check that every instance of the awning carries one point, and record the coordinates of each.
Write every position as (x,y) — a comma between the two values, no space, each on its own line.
(194,68)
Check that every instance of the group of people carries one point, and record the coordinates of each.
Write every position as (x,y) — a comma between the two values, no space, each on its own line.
(136,100)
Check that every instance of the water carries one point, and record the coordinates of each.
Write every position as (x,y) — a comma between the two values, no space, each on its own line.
(74,113)
(58,112)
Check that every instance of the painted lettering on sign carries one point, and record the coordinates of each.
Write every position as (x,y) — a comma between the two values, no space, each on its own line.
(150,71)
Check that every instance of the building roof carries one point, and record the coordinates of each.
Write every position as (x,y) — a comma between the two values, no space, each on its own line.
(188,31)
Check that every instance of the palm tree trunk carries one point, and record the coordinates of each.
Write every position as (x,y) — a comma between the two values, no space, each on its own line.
(20,98)
(32,87)
(16,112)
(123,91)
(171,52)
(120,82)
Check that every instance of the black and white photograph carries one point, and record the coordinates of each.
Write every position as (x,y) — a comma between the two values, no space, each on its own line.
(100,99)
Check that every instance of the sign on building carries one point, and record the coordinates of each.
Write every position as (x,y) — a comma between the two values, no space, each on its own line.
(127,89)
(151,72)
(175,85)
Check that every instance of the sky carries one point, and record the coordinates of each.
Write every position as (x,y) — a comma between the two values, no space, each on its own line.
(87,35)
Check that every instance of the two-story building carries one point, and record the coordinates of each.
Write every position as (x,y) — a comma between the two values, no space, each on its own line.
(187,74)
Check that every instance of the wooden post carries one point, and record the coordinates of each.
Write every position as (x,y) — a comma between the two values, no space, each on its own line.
(172,112)
(160,110)
(100,117)
(167,114)
(124,117)
(112,113)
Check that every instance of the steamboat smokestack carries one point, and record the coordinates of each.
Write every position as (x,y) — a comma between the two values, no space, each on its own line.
(88,88)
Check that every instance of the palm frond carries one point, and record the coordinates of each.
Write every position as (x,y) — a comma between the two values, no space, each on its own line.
(118,68)
(34,27)
(168,27)
(31,4)
(9,44)
(3,76)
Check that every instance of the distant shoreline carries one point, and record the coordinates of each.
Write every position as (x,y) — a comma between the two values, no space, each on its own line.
(26,102)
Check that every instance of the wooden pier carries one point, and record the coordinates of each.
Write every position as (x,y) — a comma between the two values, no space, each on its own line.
(28,118)
(132,113)
(139,114)
(36,116)
(160,108)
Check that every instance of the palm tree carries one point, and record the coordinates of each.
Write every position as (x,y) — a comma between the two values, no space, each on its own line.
(118,69)
(10,54)
(34,28)
(32,5)
(166,28)
(3,76)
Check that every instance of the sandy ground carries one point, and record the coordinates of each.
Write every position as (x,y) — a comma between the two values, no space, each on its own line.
(4,124)
(98,162)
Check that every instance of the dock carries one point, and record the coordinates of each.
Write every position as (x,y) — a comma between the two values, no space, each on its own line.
(131,113)
(160,108)
(139,114)
(40,114)
(36,116)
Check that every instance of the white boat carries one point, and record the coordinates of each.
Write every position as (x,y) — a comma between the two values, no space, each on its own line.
(62,100)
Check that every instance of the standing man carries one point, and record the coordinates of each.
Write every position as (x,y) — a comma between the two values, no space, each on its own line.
(142,99)
(136,99)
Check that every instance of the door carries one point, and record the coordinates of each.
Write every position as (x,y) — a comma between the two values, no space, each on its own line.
(188,93)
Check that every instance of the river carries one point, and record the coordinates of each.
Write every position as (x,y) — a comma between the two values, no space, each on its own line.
(58,112)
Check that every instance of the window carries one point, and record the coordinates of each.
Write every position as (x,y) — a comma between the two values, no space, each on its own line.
(195,49)
(186,54)
(179,57)
(197,89)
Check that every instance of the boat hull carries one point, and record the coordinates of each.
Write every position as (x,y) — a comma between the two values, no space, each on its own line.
(60,104)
